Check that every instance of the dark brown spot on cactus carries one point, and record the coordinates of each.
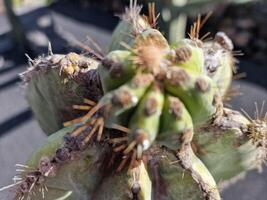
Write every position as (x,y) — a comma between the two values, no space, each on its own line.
(177,77)
(202,85)
(116,70)
(24,187)
(62,155)
(93,84)
(183,54)
(107,63)
(224,41)
(40,180)
(176,107)
(71,142)
(46,167)
(122,98)
(32,178)
(160,76)
(142,80)
(150,106)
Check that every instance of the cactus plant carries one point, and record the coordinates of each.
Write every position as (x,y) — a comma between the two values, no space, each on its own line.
(159,129)
(66,82)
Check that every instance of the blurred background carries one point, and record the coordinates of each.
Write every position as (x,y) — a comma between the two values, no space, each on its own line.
(26,26)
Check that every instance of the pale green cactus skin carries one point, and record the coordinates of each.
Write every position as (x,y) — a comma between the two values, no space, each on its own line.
(160,124)
(77,178)
(217,146)
(121,33)
(53,86)
(129,27)
(219,62)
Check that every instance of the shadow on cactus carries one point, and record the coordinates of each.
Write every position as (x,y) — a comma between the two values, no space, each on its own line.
(154,128)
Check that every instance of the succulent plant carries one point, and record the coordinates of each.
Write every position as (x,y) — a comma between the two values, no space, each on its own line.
(55,83)
(155,128)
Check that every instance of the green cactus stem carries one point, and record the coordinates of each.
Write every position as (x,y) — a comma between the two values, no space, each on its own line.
(145,122)
(219,61)
(116,69)
(57,82)
(159,129)
(145,98)
(61,170)
(190,55)
(232,139)
(132,184)
(196,91)
(178,127)
(129,27)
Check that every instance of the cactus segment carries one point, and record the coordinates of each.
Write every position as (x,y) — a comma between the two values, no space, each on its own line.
(199,173)
(51,95)
(131,25)
(230,140)
(150,50)
(145,121)
(115,70)
(125,98)
(151,35)
(178,127)
(50,174)
(219,61)
(132,184)
(196,91)
(126,32)
(140,182)
(175,120)
(189,55)
(169,180)
(156,96)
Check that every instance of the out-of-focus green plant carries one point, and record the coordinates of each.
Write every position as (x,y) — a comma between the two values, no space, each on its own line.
(175,12)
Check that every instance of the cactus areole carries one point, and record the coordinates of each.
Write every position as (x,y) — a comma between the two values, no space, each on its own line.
(155,127)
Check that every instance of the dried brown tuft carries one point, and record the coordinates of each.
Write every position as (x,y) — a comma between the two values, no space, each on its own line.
(176,107)
(177,77)
(183,54)
(150,107)
(116,70)
(202,85)
(142,80)
(122,98)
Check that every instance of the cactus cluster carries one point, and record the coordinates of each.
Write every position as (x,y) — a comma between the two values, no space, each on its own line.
(152,124)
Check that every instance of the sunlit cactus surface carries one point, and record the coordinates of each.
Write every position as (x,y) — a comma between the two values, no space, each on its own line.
(145,121)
